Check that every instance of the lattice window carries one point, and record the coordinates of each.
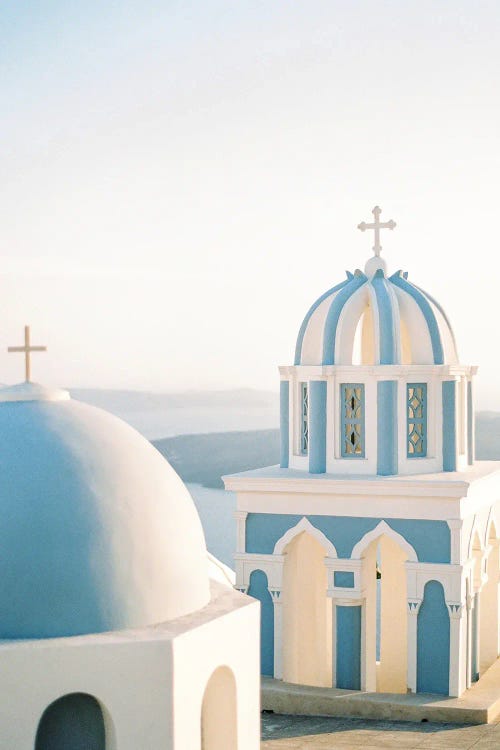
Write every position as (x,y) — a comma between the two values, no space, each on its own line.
(304,418)
(416,404)
(352,438)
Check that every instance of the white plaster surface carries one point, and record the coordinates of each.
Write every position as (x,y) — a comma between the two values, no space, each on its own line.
(150,682)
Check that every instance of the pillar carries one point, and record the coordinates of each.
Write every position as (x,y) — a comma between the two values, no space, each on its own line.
(284,423)
(387,427)
(317,426)
(411,623)
(449,434)
(241,517)
(278,632)
(458,649)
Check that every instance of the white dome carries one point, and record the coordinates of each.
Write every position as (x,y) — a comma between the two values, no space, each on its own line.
(97,531)
(372,319)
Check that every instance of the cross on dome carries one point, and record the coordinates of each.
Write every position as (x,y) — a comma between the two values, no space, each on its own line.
(27,349)
(377,225)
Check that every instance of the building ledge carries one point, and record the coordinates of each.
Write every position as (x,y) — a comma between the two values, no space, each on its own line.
(453,485)
(478,705)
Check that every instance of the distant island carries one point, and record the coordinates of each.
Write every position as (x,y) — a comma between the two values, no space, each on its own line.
(206,434)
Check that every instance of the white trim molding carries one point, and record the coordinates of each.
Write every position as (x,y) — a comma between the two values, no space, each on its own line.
(304,525)
(379,530)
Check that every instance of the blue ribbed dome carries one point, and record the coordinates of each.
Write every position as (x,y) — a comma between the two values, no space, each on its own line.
(375,320)
(97,531)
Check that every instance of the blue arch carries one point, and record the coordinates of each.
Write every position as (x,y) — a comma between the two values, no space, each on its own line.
(430,318)
(387,328)
(259,590)
(433,642)
(303,327)
(332,319)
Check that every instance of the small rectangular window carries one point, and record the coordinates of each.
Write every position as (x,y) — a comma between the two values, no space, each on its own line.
(416,406)
(304,419)
(352,436)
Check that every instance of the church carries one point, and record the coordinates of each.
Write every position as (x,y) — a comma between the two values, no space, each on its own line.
(117,630)
(374,546)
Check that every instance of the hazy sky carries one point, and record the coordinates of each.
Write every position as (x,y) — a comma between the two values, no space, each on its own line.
(180,180)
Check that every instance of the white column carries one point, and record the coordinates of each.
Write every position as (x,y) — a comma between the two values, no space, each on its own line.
(412,617)
(455,526)
(458,635)
(468,677)
(278,632)
(334,642)
(241,517)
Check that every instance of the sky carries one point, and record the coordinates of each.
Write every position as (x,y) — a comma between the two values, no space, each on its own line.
(179,181)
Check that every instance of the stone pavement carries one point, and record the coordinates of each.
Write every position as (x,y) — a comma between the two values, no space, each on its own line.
(311,733)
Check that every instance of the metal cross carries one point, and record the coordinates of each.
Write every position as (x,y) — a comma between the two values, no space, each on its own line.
(27,349)
(377,225)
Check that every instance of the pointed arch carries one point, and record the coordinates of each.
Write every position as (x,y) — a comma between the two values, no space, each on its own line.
(304,525)
(492,524)
(475,540)
(383,528)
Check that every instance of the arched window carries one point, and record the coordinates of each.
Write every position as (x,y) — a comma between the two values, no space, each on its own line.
(73,722)
(219,730)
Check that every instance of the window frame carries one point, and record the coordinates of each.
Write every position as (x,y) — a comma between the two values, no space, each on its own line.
(423,420)
(344,420)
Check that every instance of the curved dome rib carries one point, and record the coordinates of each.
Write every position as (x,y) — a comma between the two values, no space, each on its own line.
(443,313)
(424,305)
(310,313)
(387,316)
(332,320)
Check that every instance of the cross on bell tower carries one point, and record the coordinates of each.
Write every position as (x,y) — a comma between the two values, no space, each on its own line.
(377,225)
(27,349)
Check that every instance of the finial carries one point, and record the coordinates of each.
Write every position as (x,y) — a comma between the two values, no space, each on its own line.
(27,349)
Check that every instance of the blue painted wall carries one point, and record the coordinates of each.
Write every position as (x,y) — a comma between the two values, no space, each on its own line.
(317,426)
(258,589)
(387,427)
(430,539)
(284,423)
(433,642)
(449,426)
(343,579)
(74,722)
(349,648)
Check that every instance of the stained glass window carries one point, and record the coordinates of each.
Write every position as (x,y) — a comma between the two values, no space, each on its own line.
(352,438)
(304,418)
(416,405)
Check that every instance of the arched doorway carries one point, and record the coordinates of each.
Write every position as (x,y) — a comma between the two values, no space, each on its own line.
(73,722)
(219,729)
(433,641)
(488,616)
(307,614)
(386,629)
(258,588)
